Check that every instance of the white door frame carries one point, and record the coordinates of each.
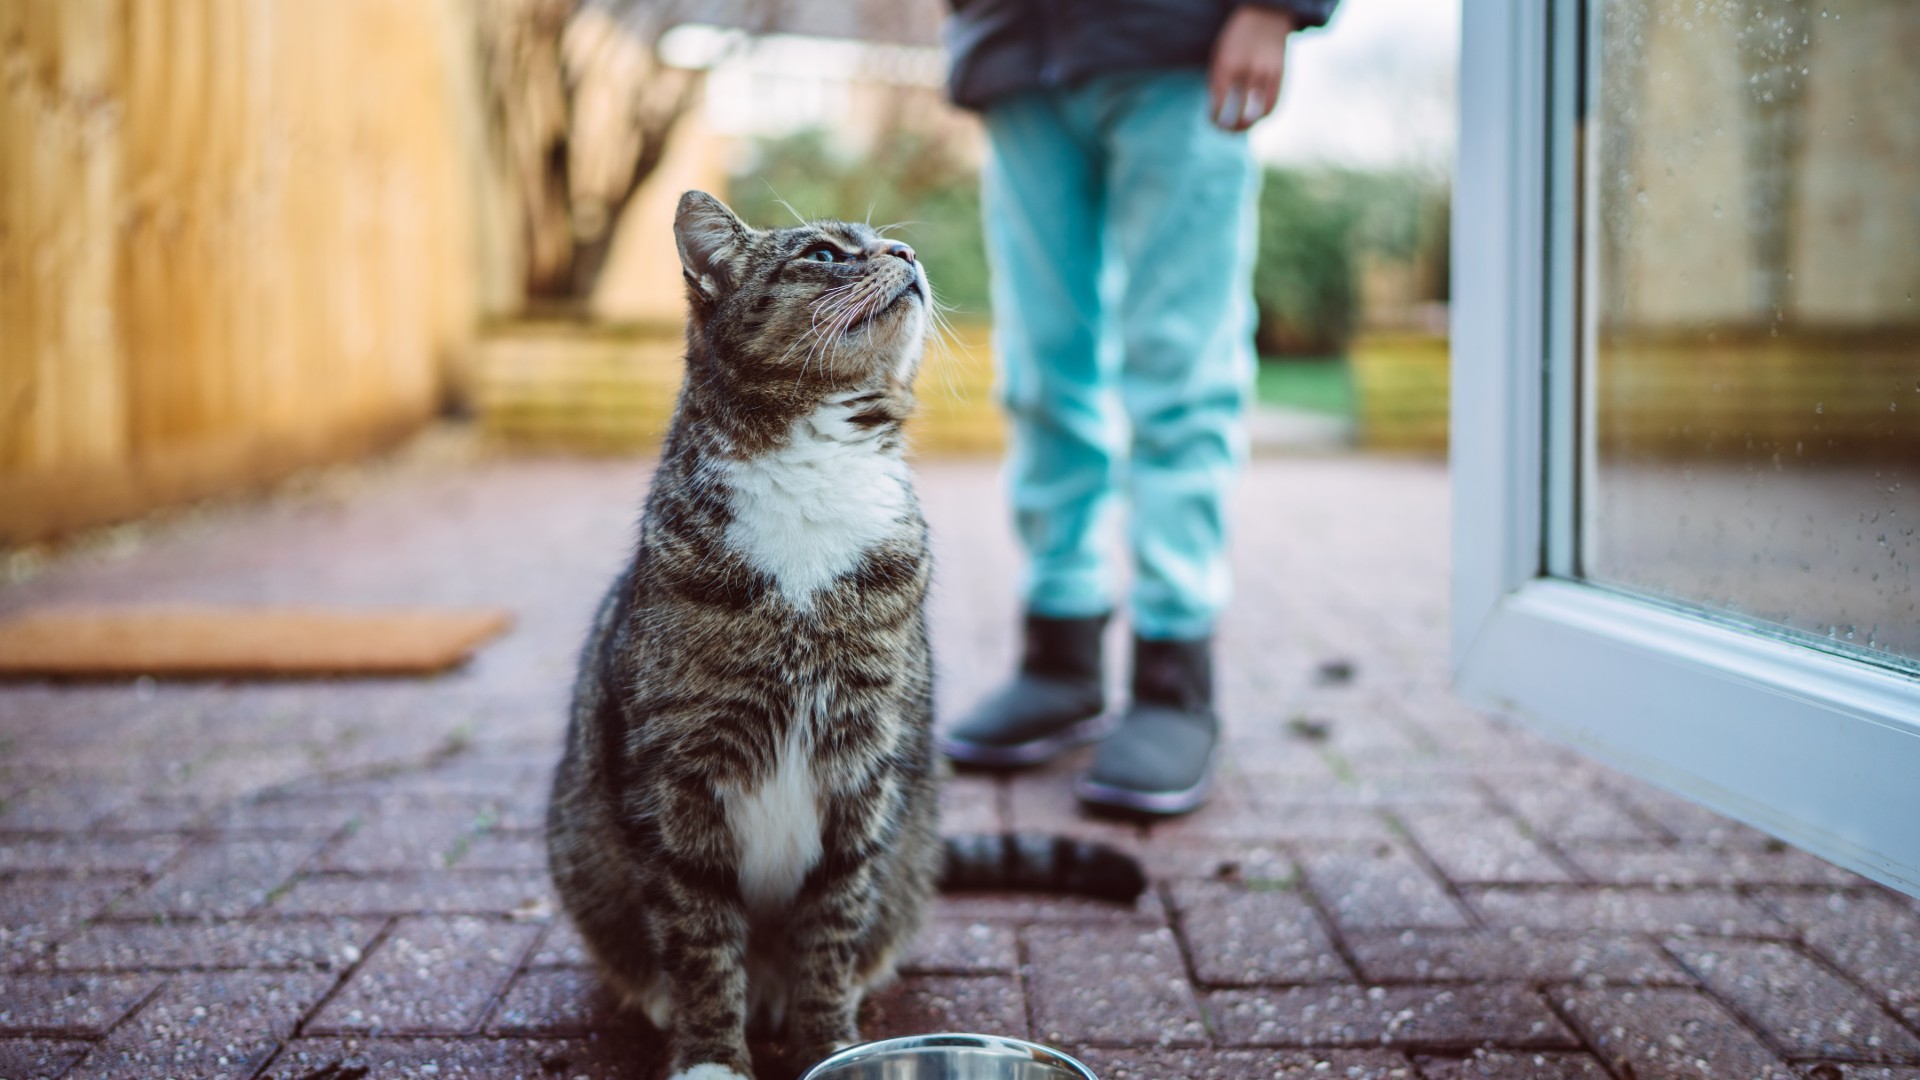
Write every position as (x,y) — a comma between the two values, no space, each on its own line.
(1819,749)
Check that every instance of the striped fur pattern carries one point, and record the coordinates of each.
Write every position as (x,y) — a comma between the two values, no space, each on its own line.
(743,824)
(1036,862)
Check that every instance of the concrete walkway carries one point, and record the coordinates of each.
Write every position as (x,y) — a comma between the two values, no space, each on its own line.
(332,880)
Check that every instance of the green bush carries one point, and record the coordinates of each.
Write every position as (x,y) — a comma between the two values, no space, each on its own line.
(909,178)
(1306,280)
(1315,227)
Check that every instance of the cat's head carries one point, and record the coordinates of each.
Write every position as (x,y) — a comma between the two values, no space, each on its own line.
(825,307)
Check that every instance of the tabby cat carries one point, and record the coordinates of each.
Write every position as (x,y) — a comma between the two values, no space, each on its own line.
(743,823)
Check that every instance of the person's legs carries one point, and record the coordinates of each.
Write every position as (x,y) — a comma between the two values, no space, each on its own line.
(1043,196)
(1043,193)
(1180,221)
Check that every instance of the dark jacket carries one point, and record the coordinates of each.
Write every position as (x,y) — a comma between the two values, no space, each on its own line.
(1002,47)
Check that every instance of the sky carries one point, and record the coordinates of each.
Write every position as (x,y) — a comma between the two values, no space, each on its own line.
(1374,88)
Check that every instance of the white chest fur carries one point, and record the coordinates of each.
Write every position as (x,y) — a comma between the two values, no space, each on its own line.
(777,827)
(809,512)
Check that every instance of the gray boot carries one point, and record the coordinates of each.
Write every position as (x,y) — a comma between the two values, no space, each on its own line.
(1161,759)
(1053,704)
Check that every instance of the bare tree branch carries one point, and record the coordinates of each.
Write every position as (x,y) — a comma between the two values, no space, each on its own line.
(587,110)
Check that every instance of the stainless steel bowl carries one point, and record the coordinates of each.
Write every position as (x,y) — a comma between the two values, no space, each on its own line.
(951,1056)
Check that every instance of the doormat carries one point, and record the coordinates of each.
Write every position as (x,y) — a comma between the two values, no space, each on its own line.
(240,642)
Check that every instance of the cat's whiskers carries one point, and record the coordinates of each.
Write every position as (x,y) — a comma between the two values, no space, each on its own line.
(839,317)
(857,307)
(832,299)
(944,341)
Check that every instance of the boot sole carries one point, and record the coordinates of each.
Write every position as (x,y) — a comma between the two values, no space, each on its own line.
(1032,752)
(1155,803)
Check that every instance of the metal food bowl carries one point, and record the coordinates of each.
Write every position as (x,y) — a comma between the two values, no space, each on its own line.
(949,1057)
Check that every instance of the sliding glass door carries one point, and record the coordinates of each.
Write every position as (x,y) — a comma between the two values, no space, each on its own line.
(1687,400)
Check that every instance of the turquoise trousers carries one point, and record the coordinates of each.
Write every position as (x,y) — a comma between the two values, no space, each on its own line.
(1120,229)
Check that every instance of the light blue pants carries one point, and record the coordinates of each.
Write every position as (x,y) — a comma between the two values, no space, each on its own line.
(1120,228)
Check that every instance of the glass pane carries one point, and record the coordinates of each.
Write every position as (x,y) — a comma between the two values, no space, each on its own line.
(1751,371)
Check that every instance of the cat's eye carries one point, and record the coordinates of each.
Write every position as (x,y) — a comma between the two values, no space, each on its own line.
(825,253)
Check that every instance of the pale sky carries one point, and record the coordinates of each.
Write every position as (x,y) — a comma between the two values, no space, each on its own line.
(1375,87)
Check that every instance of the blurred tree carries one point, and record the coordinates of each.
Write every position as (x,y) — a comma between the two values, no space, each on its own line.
(1304,282)
(1317,226)
(584,109)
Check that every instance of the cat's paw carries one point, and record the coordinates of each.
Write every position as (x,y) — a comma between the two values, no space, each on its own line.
(655,1002)
(708,1072)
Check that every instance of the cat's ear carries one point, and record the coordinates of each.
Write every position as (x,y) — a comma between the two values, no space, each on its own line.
(710,238)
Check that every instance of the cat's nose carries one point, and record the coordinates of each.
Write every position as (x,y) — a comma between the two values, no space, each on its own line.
(900,251)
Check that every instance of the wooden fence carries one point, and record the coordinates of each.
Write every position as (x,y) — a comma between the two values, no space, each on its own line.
(235,238)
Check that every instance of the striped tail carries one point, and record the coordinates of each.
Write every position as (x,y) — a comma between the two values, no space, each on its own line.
(1037,862)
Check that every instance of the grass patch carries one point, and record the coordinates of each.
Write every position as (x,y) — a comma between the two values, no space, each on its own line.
(1320,386)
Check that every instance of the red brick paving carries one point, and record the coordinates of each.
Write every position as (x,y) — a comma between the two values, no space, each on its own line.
(316,944)
(1110,985)
(963,947)
(921,1003)
(1872,938)
(32,1059)
(1251,936)
(1669,1033)
(553,1001)
(298,879)
(1402,956)
(1379,886)
(68,1004)
(1801,1007)
(1247,1064)
(1508,1065)
(430,975)
(1486,1014)
(210,1026)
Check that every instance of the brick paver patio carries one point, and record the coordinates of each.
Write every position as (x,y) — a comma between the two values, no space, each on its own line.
(335,880)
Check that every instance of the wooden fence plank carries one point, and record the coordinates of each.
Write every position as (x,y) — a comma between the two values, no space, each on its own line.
(226,227)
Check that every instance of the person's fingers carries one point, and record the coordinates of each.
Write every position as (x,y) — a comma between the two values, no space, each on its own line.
(1218,80)
(1269,91)
(1239,96)
(1233,100)
(1226,90)
(1254,102)
(1258,103)
(1257,93)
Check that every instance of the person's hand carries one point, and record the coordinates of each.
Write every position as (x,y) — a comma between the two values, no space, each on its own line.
(1248,59)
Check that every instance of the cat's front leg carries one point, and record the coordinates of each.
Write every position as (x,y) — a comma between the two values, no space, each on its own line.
(827,929)
(701,938)
(832,919)
(704,958)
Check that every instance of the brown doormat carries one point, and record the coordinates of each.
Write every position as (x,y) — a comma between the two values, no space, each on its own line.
(206,642)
